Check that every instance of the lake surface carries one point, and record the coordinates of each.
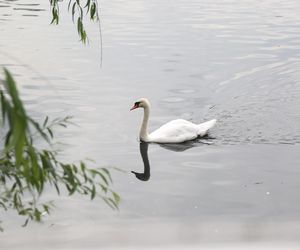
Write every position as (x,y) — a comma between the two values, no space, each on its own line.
(237,61)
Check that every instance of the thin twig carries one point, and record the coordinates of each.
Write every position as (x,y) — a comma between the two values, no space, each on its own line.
(100,33)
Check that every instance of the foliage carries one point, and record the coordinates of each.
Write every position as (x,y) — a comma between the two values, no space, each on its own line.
(25,169)
(77,8)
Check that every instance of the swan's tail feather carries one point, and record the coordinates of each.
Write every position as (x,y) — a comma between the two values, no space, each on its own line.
(205,126)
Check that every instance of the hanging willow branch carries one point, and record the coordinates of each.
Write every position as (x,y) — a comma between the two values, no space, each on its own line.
(79,9)
(26,169)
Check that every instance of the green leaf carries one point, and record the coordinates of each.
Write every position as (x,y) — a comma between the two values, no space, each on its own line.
(93,10)
(116,197)
(107,173)
(69,4)
(73,11)
(93,193)
(50,132)
(45,121)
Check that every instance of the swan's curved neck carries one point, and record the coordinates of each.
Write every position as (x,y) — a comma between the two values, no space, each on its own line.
(144,136)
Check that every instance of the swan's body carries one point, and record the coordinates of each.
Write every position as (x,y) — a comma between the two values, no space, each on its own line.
(175,131)
(180,130)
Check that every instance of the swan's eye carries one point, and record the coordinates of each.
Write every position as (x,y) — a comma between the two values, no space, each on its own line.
(137,104)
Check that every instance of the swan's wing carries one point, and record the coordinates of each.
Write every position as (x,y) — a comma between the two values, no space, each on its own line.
(175,131)
(205,126)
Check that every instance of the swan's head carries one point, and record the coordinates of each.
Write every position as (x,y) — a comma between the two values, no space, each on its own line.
(141,103)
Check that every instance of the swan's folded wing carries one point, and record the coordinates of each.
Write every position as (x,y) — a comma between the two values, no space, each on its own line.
(175,132)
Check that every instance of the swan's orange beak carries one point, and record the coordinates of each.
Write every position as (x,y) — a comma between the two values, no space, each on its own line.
(134,107)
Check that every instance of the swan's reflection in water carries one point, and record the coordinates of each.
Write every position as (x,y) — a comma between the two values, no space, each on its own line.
(145,176)
(144,153)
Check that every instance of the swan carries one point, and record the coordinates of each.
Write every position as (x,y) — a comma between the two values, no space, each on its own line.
(175,131)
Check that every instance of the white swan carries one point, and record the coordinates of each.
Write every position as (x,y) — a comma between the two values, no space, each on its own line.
(175,131)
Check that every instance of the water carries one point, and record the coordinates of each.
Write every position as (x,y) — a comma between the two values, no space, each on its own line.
(237,61)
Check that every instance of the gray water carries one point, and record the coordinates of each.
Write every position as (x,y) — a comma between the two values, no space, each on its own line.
(236,61)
